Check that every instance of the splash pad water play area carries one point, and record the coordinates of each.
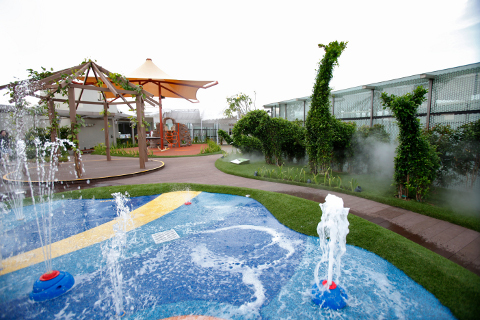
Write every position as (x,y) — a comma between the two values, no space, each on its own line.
(222,256)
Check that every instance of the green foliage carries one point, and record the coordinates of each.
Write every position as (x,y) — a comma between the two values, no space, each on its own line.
(319,144)
(123,82)
(211,147)
(467,151)
(416,162)
(39,75)
(119,151)
(75,130)
(239,105)
(442,137)
(275,137)
(225,136)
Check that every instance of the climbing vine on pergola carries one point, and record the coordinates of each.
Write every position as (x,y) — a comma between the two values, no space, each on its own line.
(60,87)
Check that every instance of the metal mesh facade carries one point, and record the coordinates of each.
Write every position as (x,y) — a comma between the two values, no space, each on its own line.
(455,100)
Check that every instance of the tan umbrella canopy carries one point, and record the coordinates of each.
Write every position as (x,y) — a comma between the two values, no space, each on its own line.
(161,85)
(155,81)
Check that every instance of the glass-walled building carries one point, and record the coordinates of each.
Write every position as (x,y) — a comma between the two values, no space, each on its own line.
(453,99)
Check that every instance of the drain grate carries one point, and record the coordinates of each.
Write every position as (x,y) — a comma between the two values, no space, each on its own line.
(165,236)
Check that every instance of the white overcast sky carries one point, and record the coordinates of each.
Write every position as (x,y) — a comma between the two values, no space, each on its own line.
(265,46)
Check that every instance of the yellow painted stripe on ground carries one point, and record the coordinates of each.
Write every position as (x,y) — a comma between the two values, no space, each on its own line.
(153,210)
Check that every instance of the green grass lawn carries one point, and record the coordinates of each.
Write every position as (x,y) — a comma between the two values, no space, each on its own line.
(455,287)
(375,188)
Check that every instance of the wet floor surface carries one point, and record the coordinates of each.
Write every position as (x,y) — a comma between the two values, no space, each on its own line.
(458,244)
(231,259)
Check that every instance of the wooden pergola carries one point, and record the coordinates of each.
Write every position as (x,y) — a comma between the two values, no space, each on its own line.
(76,78)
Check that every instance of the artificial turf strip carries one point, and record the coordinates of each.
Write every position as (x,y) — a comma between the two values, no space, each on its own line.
(455,287)
(384,195)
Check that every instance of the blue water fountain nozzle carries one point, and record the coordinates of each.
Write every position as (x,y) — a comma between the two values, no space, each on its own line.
(334,298)
(51,285)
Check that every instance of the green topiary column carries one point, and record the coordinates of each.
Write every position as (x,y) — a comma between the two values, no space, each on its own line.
(319,144)
(416,162)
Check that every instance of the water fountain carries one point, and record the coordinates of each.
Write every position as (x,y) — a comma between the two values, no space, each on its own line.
(114,252)
(188,196)
(51,283)
(332,232)
(231,260)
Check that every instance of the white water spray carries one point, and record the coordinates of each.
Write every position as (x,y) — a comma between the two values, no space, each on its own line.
(114,251)
(332,232)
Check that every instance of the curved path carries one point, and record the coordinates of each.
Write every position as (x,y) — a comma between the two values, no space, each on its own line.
(459,244)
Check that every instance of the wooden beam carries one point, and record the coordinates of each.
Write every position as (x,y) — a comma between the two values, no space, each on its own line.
(89,87)
(59,74)
(151,101)
(75,75)
(78,101)
(148,94)
(109,85)
(81,92)
(105,80)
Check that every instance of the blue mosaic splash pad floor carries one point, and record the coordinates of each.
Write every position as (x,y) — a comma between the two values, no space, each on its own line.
(232,260)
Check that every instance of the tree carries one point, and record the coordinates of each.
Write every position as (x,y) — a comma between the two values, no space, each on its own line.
(319,144)
(442,137)
(416,162)
(467,152)
(240,104)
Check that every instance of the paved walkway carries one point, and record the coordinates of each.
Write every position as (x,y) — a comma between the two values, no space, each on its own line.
(460,245)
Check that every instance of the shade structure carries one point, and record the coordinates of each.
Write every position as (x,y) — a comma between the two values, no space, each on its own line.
(156,81)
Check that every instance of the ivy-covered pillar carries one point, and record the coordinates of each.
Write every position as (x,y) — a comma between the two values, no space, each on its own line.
(142,142)
(53,120)
(105,126)
(74,131)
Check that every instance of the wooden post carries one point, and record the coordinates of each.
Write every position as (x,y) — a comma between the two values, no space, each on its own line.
(160,114)
(105,126)
(52,118)
(140,132)
(73,121)
(144,130)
